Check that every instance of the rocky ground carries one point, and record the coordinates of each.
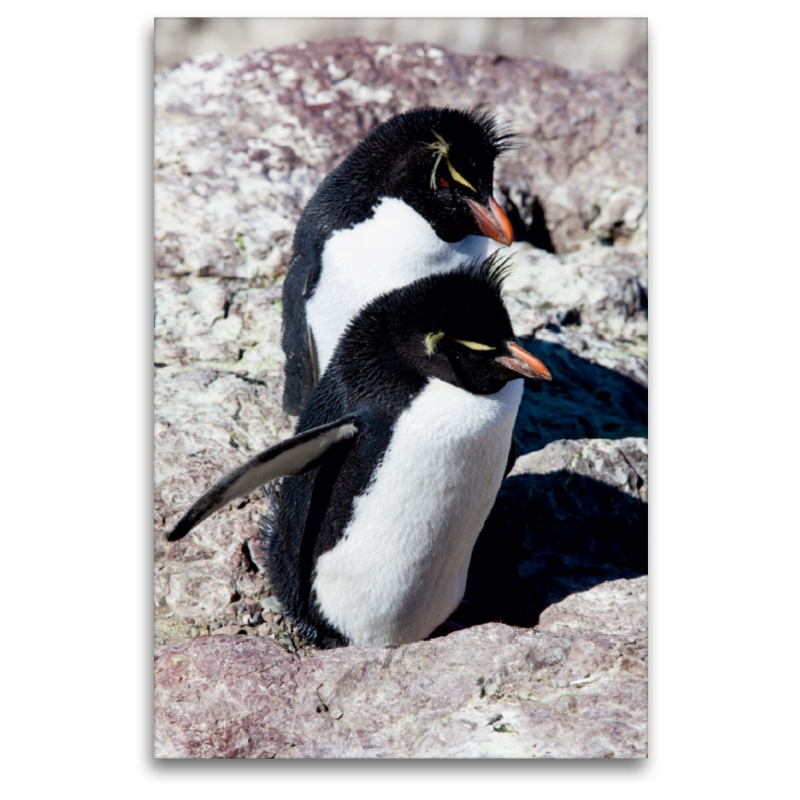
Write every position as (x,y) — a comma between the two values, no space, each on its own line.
(553,662)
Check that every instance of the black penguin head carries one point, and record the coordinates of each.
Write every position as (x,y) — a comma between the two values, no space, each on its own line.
(452,326)
(439,161)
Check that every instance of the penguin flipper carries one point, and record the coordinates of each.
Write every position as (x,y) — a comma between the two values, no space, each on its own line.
(300,368)
(290,457)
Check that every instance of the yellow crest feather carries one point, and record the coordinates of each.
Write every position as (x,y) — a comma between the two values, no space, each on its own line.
(431,340)
(442,150)
(473,345)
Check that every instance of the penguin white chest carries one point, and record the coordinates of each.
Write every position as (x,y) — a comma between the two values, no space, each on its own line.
(400,568)
(396,246)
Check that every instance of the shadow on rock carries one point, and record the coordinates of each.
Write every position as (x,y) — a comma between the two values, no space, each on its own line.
(584,400)
(527,217)
(547,537)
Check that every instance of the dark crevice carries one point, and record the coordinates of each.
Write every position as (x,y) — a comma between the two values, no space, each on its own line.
(246,379)
(528,221)
(572,317)
(643,298)
(614,233)
(538,234)
(249,564)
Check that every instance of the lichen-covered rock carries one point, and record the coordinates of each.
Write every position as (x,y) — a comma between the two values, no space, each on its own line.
(601,287)
(241,145)
(575,687)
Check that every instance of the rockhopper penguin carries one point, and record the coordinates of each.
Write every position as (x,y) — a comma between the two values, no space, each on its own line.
(412,199)
(395,464)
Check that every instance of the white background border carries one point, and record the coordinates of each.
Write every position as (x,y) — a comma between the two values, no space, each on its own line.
(77,402)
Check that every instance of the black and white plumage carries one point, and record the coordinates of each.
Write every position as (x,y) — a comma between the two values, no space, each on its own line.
(395,464)
(412,199)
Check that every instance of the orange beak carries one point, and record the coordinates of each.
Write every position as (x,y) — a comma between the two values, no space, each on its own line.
(524,363)
(492,221)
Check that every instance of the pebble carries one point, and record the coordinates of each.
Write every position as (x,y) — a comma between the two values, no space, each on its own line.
(229,630)
(271,604)
(250,612)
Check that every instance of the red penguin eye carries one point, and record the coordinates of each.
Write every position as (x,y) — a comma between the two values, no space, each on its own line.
(443,182)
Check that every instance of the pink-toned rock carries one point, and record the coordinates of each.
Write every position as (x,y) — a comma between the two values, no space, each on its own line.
(574,687)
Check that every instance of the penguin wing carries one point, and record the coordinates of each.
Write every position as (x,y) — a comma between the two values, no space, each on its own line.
(300,367)
(291,457)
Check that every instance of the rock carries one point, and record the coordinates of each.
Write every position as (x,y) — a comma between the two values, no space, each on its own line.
(602,287)
(249,611)
(271,605)
(228,630)
(241,145)
(575,687)
(570,517)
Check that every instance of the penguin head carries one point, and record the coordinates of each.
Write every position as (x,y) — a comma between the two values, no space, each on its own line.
(440,162)
(452,326)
